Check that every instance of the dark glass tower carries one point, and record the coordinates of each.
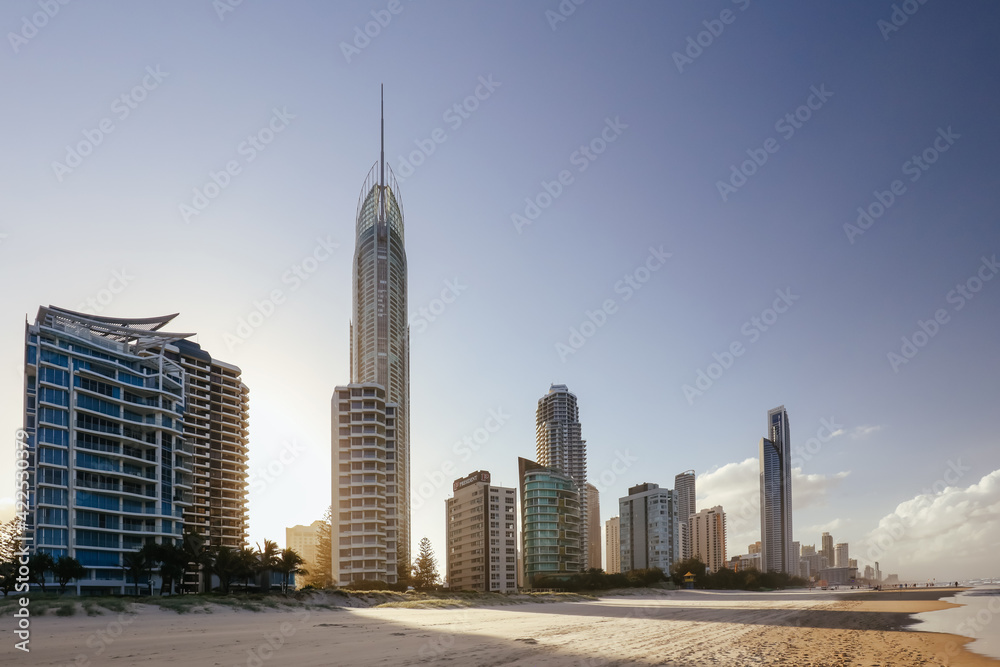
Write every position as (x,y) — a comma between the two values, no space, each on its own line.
(776,496)
(380,350)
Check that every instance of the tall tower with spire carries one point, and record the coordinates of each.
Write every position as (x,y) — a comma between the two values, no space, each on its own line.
(380,368)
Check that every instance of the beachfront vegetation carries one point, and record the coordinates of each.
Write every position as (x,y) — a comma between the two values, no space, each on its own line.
(726,579)
(596,579)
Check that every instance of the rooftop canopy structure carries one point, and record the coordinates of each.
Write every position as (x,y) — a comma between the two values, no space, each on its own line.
(142,333)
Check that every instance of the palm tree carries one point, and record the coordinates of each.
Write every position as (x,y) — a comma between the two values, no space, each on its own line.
(38,565)
(151,550)
(66,569)
(248,566)
(135,564)
(268,559)
(288,564)
(225,565)
(198,557)
(173,563)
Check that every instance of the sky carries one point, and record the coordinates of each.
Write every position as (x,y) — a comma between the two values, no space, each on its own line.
(688,212)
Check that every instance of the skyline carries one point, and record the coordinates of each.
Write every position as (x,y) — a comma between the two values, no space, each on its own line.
(635,268)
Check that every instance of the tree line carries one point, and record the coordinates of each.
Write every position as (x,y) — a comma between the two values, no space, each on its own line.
(173,562)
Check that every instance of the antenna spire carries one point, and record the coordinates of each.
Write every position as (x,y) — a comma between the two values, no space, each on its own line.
(381,179)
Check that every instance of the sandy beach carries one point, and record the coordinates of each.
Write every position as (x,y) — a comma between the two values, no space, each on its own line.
(792,628)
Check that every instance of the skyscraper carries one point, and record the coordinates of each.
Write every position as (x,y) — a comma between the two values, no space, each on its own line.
(559,444)
(613,544)
(776,495)
(684,491)
(480,522)
(380,358)
(826,550)
(842,555)
(216,427)
(593,526)
(550,522)
(135,436)
(363,545)
(707,529)
(649,529)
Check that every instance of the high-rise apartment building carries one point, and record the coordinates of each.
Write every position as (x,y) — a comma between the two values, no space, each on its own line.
(363,543)
(559,444)
(550,522)
(707,529)
(304,540)
(776,495)
(826,549)
(841,556)
(684,491)
(613,545)
(649,528)
(482,545)
(217,429)
(380,374)
(130,429)
(593,527)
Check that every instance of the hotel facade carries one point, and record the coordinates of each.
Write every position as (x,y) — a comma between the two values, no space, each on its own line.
(135,436)
(481,522)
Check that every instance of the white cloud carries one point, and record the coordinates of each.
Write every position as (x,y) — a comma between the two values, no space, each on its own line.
(736,486)
(862,431)
(951,533)
(829,527)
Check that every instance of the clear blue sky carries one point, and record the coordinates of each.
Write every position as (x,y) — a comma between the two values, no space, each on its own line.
(198,82)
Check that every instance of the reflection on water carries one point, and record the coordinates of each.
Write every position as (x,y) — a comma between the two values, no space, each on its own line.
(979,618)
